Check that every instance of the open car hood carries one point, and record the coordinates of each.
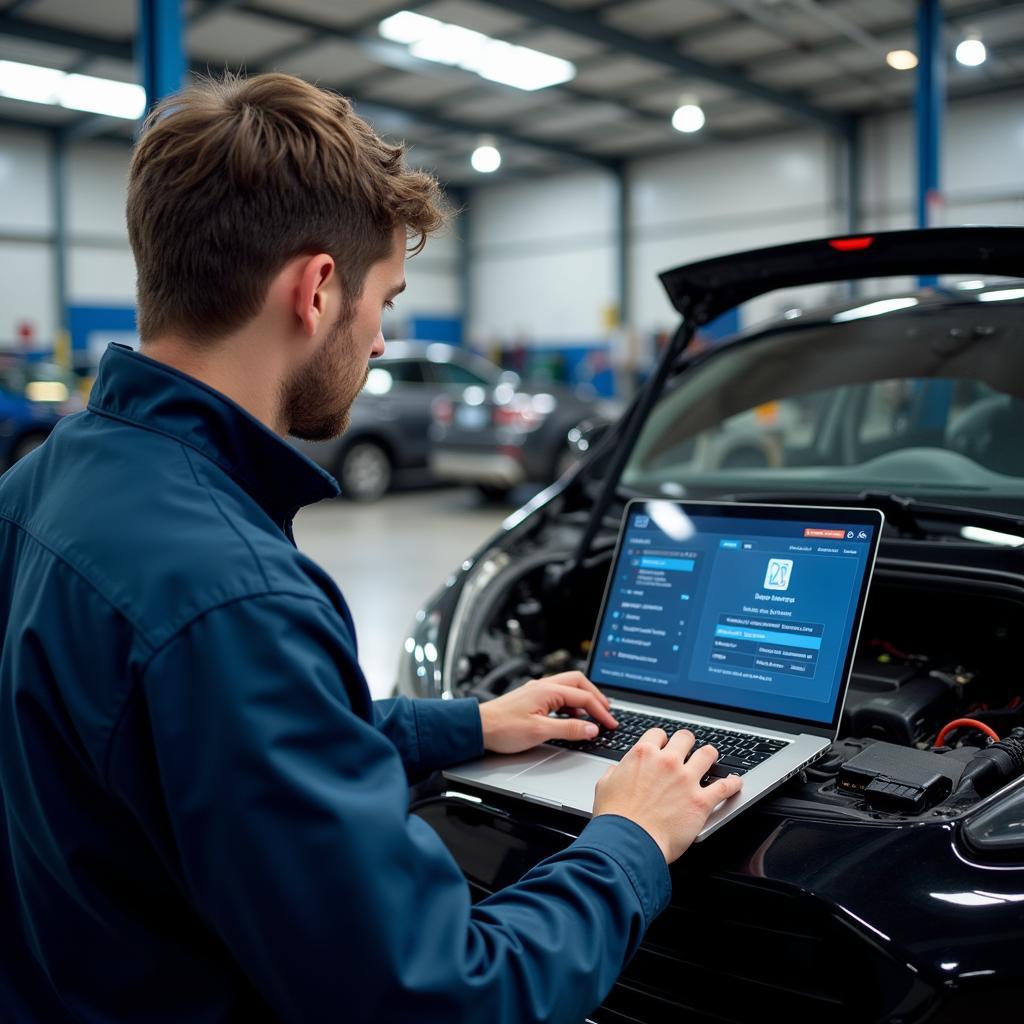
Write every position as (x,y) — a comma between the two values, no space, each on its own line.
(703,290)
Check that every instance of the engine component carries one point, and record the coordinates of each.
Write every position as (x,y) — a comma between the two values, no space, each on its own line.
(887,702)
(899,779)
(991,768)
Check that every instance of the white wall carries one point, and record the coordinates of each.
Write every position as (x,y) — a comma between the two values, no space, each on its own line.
(982,165)
(723,199)
(532,242)
(542,255)
(26,259)
(99,266)
(542,262)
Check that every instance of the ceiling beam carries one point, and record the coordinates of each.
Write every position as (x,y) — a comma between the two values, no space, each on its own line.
(105,47)
(397,57)
(549,15)
(100,46)
(829,49)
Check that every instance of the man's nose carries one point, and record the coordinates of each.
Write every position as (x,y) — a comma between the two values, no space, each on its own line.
(378,345)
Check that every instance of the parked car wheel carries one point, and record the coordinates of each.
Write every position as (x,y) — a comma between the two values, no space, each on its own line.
(365,471)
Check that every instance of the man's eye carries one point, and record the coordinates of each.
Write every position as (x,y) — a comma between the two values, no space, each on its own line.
(389,304)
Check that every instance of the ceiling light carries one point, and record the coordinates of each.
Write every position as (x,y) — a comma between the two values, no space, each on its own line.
(103,96)
(688,116)
(28,82)
(901,60)
(75,92)
(971,52)
(486,159)
(493,59)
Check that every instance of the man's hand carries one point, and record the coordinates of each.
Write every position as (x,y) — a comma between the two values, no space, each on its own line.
(655,786)
(520,719)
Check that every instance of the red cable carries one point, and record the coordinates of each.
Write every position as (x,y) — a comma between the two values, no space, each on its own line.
(971,723)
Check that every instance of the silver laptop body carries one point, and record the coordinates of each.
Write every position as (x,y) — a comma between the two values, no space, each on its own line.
(770,604)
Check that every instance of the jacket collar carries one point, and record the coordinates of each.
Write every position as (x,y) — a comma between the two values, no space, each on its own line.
(136,389)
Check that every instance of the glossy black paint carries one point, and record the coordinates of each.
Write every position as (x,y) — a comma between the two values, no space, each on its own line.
(800,909)
(780,916)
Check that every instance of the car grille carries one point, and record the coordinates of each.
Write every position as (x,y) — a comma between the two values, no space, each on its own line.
(727,949)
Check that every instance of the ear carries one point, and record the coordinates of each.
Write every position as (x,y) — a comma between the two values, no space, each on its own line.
(311,295)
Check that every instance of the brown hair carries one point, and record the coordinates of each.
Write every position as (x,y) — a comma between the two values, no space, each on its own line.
(234,177)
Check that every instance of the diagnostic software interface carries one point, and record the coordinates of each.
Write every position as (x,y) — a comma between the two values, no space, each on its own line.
(746,613)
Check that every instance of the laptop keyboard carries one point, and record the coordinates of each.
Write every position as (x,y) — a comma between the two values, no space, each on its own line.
(738,752)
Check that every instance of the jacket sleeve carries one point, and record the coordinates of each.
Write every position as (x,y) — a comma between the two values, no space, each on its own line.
(430,734)
(290,828)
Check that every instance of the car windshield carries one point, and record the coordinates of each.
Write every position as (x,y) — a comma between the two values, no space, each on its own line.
(923,401)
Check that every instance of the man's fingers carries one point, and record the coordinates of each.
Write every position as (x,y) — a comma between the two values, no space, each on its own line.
(656,738)
(580,681)
(567,729)
(703,758)
(681,743)
(722,789)
(570,696)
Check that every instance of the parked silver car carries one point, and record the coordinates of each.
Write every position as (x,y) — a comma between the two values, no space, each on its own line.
(389,431)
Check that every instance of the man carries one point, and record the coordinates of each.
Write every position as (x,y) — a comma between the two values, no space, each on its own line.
(205,818)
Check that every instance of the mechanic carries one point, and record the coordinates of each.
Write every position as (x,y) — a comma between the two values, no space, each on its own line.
(205,817)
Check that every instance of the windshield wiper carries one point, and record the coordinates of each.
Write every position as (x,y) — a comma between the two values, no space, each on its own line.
(906,515)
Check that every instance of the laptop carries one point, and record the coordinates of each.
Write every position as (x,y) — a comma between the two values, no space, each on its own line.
(736,621)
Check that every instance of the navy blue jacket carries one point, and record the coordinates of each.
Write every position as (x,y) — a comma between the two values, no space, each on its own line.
(203,816)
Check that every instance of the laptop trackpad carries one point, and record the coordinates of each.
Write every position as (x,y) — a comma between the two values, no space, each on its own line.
(568,780)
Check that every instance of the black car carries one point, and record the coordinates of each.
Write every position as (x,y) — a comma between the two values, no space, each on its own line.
(389,428)
(500,437)
(897,902)
(34,396)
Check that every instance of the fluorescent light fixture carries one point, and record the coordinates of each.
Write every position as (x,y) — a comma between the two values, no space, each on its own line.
(28,82)
(874,309)
(688,118)
(983,536)
(407,27)
(103,96)
(485,159)
(493,59)
(971,52)
(74,92)
(968,286)
(1002,295)
(901,60)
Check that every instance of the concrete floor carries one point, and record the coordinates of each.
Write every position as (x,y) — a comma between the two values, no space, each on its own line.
(389,557)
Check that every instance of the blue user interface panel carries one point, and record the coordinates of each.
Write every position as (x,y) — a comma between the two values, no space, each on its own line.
(753,614)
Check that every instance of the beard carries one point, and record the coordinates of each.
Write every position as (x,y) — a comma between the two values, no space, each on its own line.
(317,400)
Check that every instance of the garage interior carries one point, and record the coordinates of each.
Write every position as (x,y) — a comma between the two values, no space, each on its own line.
(805,119)
(601,143)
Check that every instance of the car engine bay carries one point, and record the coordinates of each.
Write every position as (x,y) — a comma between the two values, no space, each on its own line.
(938,646)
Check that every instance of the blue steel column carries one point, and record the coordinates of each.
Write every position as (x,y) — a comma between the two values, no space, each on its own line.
(931,101)
(160,48)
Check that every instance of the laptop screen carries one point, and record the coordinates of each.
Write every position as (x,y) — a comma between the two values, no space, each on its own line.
(754,608)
